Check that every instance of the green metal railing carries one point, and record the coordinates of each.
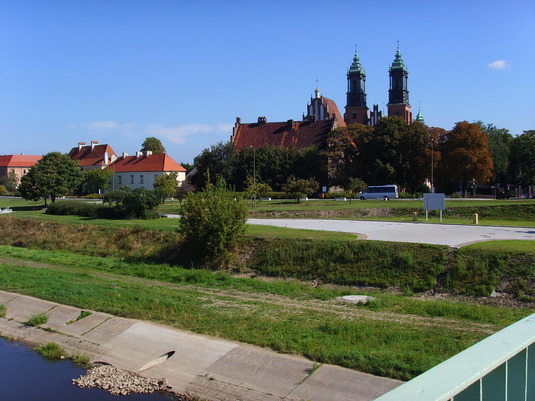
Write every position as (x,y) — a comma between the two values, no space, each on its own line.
(499,368)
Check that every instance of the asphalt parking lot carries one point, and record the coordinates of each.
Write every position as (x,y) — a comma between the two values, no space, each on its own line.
(441,234)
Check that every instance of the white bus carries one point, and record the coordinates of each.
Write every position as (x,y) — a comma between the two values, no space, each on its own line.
(384,192)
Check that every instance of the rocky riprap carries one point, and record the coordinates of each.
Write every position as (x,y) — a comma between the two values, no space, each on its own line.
(118,381)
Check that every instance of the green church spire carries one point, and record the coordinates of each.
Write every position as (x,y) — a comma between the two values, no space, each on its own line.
(356,67)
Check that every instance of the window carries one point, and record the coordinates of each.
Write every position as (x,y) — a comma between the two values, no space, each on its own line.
(131,179)
(119,180)
(141,179)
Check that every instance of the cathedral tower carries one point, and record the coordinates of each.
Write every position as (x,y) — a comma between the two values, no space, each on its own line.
(398,94)
(356,110)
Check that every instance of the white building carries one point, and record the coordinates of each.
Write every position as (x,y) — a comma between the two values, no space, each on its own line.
(142,169)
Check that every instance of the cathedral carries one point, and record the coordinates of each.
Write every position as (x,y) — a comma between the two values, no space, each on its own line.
(323,115)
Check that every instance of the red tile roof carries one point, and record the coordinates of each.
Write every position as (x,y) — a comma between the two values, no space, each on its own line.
(91,157)
(159,162)
(19,160)
(332,108)
(298,134)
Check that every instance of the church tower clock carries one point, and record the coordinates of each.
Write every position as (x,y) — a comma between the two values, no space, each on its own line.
(356,110)
(398,94)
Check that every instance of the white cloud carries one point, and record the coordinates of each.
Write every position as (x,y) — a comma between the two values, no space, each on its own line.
(108,125)
(179,133)
(499,65)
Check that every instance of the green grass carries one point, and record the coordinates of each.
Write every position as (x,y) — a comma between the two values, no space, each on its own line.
(291,233)
(399,346)
(50,351)
(2,310)
(37,319)
(505,246)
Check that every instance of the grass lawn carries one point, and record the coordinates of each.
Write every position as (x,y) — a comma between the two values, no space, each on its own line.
(395,336)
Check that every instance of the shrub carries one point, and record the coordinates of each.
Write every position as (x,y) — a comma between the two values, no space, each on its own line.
(139,203)
(3,191)
(213,222)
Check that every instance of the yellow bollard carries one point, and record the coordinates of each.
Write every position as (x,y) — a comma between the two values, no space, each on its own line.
(476,218)
(414,216)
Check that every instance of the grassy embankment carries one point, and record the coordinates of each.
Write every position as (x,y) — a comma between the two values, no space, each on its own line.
(395,335)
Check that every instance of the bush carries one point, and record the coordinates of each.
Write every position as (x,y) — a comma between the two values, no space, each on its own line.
(78,208)
(3,191)
(213,221)
(139,203)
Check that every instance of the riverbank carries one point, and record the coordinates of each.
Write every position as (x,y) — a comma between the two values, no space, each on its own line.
(202,366)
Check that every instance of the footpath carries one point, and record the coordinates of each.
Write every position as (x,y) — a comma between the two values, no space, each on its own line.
(203,366)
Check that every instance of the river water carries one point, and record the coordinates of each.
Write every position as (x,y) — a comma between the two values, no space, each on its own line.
(26,376)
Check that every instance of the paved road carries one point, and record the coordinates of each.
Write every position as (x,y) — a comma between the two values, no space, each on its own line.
(441,234)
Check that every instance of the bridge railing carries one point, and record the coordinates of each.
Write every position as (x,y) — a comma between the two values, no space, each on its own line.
(501,367)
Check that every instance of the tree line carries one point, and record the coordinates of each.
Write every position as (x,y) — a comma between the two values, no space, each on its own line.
(469,155)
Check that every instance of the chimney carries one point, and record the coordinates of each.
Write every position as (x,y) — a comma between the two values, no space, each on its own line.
(80,145)
(139,154)
(93,143)
(125,155)
(149,153)
(238,121)
(106,159)
(262,120)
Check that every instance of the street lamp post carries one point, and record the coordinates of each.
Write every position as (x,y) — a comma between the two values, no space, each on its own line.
(432,162)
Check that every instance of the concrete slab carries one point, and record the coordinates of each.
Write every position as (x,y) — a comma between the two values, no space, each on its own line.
(142,343)
(334,383)
(107,330)
(23,307)
(6,297)
(261,370)
(60,315)
(85,325)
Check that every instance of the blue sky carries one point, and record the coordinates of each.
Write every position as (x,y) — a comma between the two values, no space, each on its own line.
(118,71)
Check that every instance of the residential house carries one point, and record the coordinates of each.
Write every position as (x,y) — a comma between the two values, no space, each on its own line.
(142,170)
(17,164)
(92,156)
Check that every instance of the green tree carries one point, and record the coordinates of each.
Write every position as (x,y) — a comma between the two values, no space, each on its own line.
(255,189)
(9,181)
(343,153)
(54,175)
(298,188)
(499,145)
(95,180)
(167,184)
(465,156)
(381,151)
(213,222)
(152,144)
(523,159)
(219,161)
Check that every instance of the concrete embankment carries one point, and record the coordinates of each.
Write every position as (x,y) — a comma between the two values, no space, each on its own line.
(207,367)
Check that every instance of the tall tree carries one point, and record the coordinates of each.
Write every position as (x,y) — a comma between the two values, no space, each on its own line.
(343,152)
(95,180)
(465,156)
(54,175)
(381,152)
(523,159)
(499,145)
(215,163)
(152,144)
(167,184)
(414,158)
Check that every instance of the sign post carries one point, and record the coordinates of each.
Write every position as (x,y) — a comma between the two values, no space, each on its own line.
(434,202)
